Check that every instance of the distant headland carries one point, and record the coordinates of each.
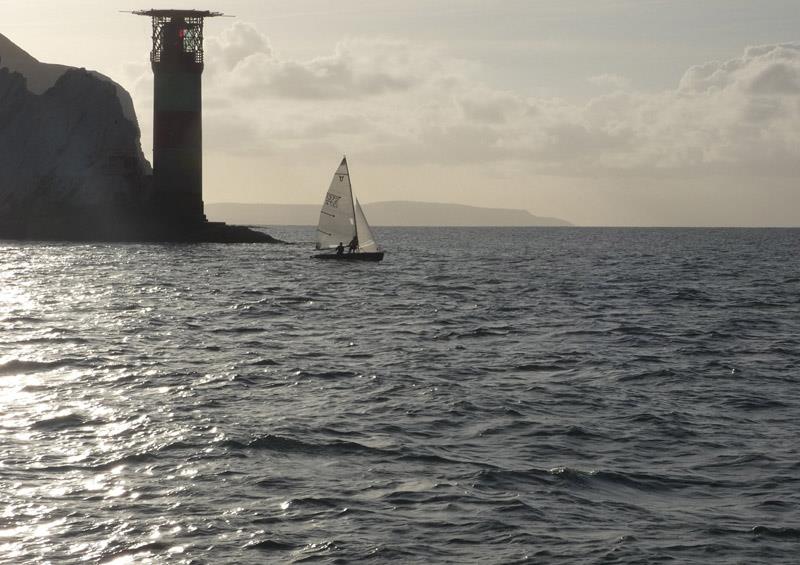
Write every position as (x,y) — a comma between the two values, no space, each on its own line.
(397,213)
(71,162)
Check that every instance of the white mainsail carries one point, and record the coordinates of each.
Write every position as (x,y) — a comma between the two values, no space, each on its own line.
(366,241)
(337,222)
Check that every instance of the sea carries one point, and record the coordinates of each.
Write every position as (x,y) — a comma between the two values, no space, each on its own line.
(483,395)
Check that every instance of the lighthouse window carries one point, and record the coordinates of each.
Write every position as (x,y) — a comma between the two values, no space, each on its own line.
(191,39)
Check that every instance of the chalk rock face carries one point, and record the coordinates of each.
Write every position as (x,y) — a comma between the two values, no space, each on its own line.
(70,149)
(71,162)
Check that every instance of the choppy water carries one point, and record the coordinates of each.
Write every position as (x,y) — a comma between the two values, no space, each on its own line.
(484,395)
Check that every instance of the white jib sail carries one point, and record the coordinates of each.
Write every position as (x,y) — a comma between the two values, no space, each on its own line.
(366,241)
(337,217)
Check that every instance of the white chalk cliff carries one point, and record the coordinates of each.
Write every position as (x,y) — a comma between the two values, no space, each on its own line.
(69,143)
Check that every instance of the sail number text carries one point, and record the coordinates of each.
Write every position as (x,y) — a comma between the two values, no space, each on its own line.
(332,200)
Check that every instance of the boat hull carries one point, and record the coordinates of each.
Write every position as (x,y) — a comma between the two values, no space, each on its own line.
(365,256)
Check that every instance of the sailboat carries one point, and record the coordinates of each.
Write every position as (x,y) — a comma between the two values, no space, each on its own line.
(342,225)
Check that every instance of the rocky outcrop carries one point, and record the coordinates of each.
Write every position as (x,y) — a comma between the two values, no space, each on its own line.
(71,163)
(41,76)
(65,153)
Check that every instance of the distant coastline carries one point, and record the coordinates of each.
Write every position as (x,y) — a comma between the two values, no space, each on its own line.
(394,213)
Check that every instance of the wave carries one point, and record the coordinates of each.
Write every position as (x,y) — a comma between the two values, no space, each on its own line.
(408,498)
(112,460)
(140,551)
(755,404)
(643,482)
(777,532)
(476,333)
(283,444)
(288,445)
(691,295)
(317,502)
(633,330)
(660,375)
(239,330)
(538,367)
(301,299)
(301,373)
(390,554)
(17,366)
(583,433)
(265,363)
(272,545)
(63,421)
(24,319)
(749,459)
(776,504)
(498,478)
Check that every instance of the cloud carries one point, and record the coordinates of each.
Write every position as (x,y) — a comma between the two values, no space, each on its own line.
(405,103)
(766,69)
(482,105)
(235,45)
(776,79)
(334,77)
(357,68)
(610,81)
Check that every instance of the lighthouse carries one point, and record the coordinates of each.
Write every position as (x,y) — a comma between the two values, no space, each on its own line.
(177,62)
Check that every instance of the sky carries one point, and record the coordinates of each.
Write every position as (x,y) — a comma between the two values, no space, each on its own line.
(599,112)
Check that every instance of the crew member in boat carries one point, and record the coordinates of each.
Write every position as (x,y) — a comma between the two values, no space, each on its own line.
(340,249)
(353,244)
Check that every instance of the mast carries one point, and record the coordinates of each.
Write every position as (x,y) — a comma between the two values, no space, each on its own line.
(352,201)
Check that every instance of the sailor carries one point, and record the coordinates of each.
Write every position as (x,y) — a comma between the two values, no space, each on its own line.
(353,244)
(340,249)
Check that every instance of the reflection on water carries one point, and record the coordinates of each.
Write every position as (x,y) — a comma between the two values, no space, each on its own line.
(455,403)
